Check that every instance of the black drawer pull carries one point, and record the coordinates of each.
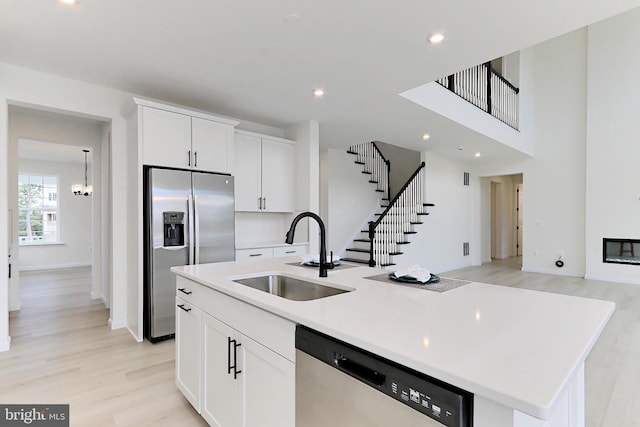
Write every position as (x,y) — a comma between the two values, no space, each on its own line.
(290,252)
(185,291)
(255,254)
(185,309)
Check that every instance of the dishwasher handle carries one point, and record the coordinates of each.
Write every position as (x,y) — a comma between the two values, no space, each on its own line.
(358,370)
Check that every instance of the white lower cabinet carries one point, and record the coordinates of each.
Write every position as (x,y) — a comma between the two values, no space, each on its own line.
(222,398)
(242,382)
(188,351)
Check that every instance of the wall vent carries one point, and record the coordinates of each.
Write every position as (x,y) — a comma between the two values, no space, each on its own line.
(466,178)
(465,249)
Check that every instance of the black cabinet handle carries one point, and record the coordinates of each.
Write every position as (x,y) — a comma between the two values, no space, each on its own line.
(229,367)
(255,254)
(235,360)
(189,160)
(195,161)
(185,291)
(185,309)
(233,367)
(290,252)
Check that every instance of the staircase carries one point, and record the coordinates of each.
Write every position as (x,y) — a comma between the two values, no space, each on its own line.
(384,236)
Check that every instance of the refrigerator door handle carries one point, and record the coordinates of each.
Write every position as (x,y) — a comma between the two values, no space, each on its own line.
(196,228)
(192,241)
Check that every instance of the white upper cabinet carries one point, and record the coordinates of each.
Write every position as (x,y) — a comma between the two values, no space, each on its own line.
(264,173)
(247,173)
(180,138)
(166,138)
(212,145)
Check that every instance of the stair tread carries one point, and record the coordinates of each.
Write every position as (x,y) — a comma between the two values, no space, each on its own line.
(387,265)
(366,173)
(402,243)
(351,152)
(410,232)
(366,251)
(362,240)
(416,222)
(423,213)
(373,182)
(380,191)
(428,204)
(395,253)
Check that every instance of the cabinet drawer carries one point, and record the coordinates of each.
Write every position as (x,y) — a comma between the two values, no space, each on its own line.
(294,250)
(189,291)
(257,253)
(270,330)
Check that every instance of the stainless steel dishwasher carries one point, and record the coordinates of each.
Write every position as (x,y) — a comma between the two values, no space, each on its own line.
(340,385)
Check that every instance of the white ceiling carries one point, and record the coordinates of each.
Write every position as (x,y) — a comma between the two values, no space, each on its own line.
(50,151)
(259,60)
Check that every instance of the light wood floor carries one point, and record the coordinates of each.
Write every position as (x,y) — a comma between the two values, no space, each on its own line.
(612,372)
(62,351)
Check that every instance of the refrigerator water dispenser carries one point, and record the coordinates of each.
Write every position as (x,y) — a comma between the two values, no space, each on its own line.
(173,228)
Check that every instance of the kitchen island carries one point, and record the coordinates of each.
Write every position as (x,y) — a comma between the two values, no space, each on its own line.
(520,352)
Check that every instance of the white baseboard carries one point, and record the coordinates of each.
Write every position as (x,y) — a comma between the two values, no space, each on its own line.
(5,344)
(116,325)
(614,279)
(135,336)
(55,266)
(554,271)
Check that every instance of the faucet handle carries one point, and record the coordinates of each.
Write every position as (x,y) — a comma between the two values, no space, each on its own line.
(330,263)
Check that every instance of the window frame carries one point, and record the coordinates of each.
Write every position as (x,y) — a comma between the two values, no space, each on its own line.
(45,204)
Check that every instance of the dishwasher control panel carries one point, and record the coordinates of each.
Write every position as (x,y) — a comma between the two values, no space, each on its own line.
(442,402)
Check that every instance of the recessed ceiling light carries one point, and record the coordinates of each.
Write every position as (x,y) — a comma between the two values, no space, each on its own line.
(478,154)
(318,93)
(460,148)
(69,1)
(436,38)
(425,136)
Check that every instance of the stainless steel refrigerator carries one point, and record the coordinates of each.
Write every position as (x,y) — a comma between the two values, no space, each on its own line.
(188,219)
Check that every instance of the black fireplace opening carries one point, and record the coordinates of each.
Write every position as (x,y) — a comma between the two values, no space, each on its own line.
(621,251)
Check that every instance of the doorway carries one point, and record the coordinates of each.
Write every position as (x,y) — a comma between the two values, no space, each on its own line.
(503,196)
(53,229)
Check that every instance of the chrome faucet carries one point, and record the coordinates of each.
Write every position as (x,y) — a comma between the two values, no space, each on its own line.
(324,265)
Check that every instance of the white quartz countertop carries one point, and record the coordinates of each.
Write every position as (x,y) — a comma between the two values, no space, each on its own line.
(513,346)
(253,245)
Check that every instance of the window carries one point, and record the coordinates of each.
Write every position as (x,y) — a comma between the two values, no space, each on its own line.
(37,209)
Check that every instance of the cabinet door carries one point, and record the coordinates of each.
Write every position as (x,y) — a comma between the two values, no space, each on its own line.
(212,145)
(247,170)
(188,351)
(221,392)
(268,387)
(278,176)
(166,138)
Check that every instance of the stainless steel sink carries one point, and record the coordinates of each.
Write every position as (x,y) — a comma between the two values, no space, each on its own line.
(290,287)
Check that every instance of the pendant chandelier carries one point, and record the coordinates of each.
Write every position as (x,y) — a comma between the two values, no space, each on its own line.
(79,189)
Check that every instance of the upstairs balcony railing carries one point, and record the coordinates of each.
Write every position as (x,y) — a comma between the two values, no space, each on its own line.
(487,90)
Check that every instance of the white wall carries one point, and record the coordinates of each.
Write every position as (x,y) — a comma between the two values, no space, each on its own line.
(438,244)
(350,199)
(404,163)
(554,180)
(444,102)
(613,151)
(21,86)
(74,220)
